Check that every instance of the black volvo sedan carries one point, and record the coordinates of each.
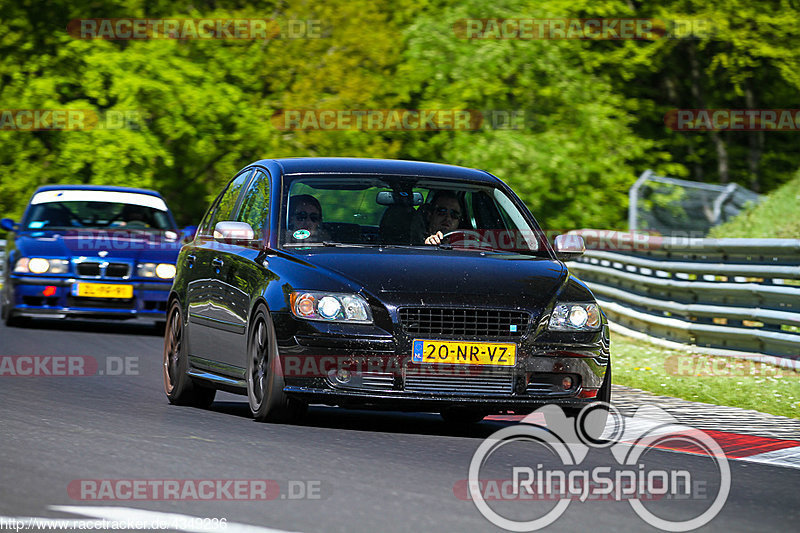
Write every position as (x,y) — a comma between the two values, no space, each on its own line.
(382,284)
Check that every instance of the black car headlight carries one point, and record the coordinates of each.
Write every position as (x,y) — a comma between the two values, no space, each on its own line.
(330,307)
(156,270)
(575,317)
(40,265)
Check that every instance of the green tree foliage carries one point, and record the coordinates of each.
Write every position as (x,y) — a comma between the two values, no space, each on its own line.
(592,112)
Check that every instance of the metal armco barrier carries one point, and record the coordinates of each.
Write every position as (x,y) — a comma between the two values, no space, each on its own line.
(732,294)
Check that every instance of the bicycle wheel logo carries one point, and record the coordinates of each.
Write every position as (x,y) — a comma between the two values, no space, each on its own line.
(568,441)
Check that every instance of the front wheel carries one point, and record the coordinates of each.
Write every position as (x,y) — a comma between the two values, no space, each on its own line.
(178,385)
(268,403)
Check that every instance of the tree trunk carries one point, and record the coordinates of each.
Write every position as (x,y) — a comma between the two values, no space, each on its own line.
(723,168)
(756,143)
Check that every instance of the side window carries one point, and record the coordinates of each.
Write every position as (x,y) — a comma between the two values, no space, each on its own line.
(205,225)
(225,203)
(255,207)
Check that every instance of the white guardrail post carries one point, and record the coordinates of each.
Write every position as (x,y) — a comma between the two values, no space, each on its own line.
(729,294)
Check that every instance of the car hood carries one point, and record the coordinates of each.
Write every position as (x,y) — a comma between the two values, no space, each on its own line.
(118,244)
(445,275)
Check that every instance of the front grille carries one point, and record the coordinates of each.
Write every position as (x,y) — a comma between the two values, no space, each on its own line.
(117,270)
(449,322)
(377,380)
(88,269)
(458,383)
(95,270)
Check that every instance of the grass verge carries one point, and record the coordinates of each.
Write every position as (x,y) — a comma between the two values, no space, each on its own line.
(775,216)
(705,378)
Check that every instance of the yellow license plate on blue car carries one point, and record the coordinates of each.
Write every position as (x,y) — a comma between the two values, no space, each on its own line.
(464,353)
(102,290)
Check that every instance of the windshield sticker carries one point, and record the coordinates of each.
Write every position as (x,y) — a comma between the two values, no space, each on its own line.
(301,234)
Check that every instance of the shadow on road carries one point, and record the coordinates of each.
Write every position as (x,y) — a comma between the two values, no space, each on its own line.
(376,421)
(94,326)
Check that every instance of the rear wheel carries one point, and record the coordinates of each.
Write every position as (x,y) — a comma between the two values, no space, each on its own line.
(268,403)
(178,385)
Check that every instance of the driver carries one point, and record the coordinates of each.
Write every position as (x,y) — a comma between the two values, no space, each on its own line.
(305,219)
(444,216)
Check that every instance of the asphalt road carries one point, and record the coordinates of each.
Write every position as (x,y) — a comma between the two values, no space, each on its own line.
(364,471)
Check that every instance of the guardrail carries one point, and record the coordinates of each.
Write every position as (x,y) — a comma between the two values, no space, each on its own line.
(728,294)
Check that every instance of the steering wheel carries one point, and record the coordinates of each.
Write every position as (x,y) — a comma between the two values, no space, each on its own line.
(470,236)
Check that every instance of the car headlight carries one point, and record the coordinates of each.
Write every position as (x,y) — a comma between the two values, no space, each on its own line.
(156,270)
(330,307)
(40,265)
(575,317)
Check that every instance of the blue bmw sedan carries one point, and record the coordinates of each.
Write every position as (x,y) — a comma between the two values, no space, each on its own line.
(91,252)
(381,284)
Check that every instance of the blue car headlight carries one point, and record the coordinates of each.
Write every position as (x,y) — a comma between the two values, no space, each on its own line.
(575,317)
(156,270)
(40,265)
(330,307)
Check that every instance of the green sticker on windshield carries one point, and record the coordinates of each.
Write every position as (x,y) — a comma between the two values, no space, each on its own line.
(301,234)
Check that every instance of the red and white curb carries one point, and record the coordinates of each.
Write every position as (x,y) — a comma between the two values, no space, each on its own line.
(736,446)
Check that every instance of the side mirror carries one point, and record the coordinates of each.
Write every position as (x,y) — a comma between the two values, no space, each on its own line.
(230,231)
(569,247)
(8,224)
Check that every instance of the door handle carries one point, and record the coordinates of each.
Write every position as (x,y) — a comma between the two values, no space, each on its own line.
(217,262)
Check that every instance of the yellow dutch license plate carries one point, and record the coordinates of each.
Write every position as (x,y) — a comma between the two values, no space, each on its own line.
(464,353)
(103,290)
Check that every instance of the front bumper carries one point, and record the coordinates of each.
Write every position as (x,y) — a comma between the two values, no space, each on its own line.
(28,297)
(381,374)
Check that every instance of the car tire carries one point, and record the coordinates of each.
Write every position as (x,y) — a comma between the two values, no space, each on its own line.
(462,416)
(178,386)
(268,402)
(11,320)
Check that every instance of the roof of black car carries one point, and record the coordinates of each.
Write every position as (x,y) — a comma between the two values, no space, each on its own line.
(111,188)
(346,165)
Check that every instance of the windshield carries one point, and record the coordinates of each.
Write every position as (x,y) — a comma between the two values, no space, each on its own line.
(403,211)
(89,209)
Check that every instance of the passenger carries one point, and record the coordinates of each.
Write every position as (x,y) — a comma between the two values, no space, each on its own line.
(444,215)
(305,219)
